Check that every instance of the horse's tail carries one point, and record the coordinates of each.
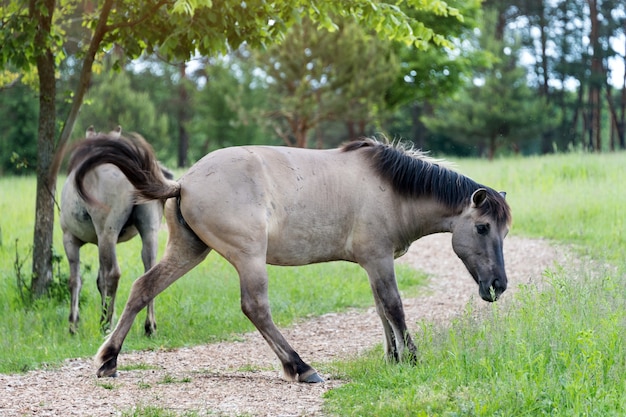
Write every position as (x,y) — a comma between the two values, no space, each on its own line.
(133,156)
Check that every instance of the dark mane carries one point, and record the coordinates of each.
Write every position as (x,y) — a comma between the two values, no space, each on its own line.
(412,174)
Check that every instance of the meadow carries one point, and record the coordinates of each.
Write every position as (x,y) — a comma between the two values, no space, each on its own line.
(558,352)
(201,307)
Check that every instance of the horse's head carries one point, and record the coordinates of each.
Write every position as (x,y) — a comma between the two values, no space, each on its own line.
(477,237)
(91,132)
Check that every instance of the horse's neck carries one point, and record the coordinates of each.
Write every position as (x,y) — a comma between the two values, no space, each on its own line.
(427,217)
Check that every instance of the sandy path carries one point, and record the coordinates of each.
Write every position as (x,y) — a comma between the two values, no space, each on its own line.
(235,378)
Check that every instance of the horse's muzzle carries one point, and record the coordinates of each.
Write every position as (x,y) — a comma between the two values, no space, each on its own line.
(491,291)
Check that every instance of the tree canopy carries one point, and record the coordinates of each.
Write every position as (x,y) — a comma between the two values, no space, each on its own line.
(42,34)
(497,76)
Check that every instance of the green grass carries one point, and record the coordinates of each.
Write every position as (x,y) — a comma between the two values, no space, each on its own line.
(152,411)
(559,352)
(201,307)
(556,352)
(573,198)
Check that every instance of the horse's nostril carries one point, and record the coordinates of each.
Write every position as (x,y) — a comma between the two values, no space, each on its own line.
(499,285)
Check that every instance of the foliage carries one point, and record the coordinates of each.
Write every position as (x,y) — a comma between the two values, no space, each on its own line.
(18,133)
(35,36)
(179,29)
(497,108)
(112,101)
(436,72)
(223,105)
(219,94)
(502,113)
(571,49)
(316,75)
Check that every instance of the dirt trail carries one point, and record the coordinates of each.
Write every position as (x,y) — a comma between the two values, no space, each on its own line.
(243,377)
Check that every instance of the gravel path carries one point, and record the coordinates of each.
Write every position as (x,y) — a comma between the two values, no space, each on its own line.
(243,377)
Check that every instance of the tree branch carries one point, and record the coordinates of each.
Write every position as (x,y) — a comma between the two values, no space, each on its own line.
(83,86)
(141,19)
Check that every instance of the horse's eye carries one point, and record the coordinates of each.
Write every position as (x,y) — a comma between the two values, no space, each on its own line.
(482,229)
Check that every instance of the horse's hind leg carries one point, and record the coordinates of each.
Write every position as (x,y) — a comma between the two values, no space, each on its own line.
(108,278)
(72,247)
(148,220)
(184,251)
(150,324)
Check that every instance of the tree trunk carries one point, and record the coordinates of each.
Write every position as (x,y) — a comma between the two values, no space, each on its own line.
(362,126)
(301,134)
(621,122)
(48,158)
(492,148)
(319,137)
(351,130)
(594,133)
(544,90)
(183,105)
(543,25)
(597,74)
(616,125)
(46,184)
(42,12)
(418,130)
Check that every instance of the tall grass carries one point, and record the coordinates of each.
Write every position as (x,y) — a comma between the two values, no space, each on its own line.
(575,198)
(558,352)
(203,306)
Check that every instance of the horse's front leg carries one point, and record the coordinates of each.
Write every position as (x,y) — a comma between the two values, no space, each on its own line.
(389,307)
(255,305)
(72,247)
(180,257)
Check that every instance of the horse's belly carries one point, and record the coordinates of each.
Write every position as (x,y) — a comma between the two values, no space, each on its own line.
(294,258)
(86,233)
(127,233)
(290,247)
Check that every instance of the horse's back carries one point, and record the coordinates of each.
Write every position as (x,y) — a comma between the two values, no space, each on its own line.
(305,205)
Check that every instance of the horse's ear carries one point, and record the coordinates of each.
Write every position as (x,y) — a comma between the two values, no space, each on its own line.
(479,197)
(503,194)
(117,132)
(91,132)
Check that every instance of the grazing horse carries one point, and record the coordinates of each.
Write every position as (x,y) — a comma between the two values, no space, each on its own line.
(110,217)
(365,202)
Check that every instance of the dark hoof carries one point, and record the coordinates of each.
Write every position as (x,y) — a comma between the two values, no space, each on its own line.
(150,330)
(312,378)
(73,325)
(109,368)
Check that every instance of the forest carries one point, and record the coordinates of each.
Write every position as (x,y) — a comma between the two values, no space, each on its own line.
(517,77)
(466,78)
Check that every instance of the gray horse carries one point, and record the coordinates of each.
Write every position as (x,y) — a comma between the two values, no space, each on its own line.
(365,202)
(111,217)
